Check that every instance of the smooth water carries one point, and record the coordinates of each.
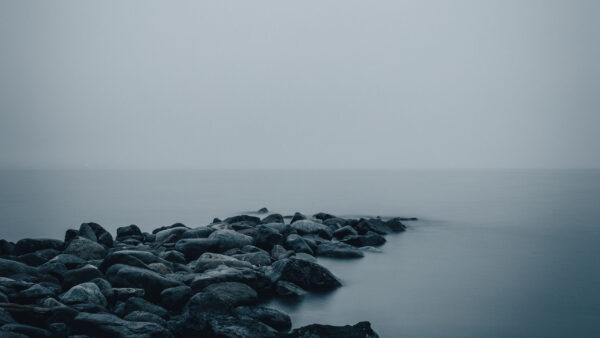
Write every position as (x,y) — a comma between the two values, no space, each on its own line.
(494,254)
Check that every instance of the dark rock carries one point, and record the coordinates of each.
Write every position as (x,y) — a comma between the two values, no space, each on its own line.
(59,329)
(359,330)
(201,308)
(39,257)
(255,258)
(176,225)
(273,218)
(309,227)
(175,298)
(199,232)
(104,237)
(10,268)
(230,326)
(32,294)
(70,261)
(396,225)
(374,225)
(89,307)
(229,239)
(307,275)
(336,222)
(289,290)
(265,237)
(323,216)
(107,325)
(193,248)
(210,260)
(278,252)
(369,239)
(6,248)
(85,249)
(143,316)
(140,304)
(153,283)
(297,243)
(5,317)
(273,318)
(121,257)
(254,278)
(171,235)
(233,293)
(344,231)
(297,217)
(28,245)
(243,218)
(87,232)
(262,211)
(105,287)
(29,331)
(84,293)
(305,256)
(173,256)
(70,234)
(125,293)
(338,250)
(81,275)
(282,228)
(129,232)
(160,268)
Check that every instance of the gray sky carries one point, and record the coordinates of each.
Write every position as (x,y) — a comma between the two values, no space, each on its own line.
(304,84)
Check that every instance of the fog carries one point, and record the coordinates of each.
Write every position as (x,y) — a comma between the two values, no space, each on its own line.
(310,84)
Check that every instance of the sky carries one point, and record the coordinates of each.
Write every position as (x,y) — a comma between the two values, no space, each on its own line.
(298,85)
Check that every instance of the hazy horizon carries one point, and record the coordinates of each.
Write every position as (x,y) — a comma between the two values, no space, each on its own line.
(310,85)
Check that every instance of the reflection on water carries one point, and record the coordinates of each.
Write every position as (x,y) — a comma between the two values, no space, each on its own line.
(494,254)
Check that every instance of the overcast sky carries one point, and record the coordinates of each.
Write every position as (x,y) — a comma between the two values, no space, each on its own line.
(303,84)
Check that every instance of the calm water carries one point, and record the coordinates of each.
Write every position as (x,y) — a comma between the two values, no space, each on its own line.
(495,254)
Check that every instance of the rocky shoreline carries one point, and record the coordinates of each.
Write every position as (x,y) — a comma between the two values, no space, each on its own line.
(179,281)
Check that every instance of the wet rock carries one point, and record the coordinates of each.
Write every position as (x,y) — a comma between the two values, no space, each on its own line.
(369,239)
(359,330)
(105,287)
(230,326)
(121,257)
(309,227)
(70,234)
(297,243)
(28,245)
(125,293)
(160,268)
(173,256)
(176,297)
(255,258)
(28,331)
(396,225)
(103,237)
(273,318)
(193,248)
(273,218)
(143,316)
(32,294)
(233,293)
(289,290)
(375,225)
(338,250)
(129,232)
(85,249)
(176,225)
(229,239)
(209,260)
(323,216)
(140,304)
(70,261)
(278,252)
(171,235)
(262,211)
(202,307)
(265,237)
(84,293)
(344,231)
(9,268)
(39,257)
(336,222)
(86,231)
(5,317)
(297,217)
(307,275)
(254,278)
(305,256)
(59,329)
(81,275)
(199,232)
(107,325)
(252,220)
(153,283)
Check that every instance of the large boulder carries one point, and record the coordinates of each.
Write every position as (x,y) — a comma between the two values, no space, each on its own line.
(9,268)
(375,225)
(32,294)
(103,237)
(344,231)
(233,293)
(176,297)
(233,327)
(85,249)
(125,276)
(304,227)
(229,239)
(39,257)
(266,237)
(252,277)
(121,257)
(307,275)
(289,290)
(209,260)
(171,235)
(359,330)
(338,250)
(273,218)
(194,247)
(108,325)
(21,330)
(298,244)
(278,252)
(297,217)
(77,276)
(396,225)
(260,258)
(199,232)
(84,293)
(129,232)
(274,318)
(369,239)
(28,245)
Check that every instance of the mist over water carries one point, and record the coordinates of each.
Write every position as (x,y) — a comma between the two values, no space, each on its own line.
(495,253)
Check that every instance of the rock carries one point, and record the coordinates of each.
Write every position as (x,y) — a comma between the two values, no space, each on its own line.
(273,218)
(84,293)
(143,316)
(176,225)
(297,243)
(103,236)
(336,222)
(153,284)
(10,268)
(32,294)
(395,224)
(86,231)
(69,235)
(323,216)
(262,211)
(282,228)
(233,293)
(369,239)
(29,331)
(5,317)
(374,225)
(6,248)
(106,289)
(59,329)
(338,250)
(125,293)
(199,232)
(359,330)
(171,235)
(209,260)
(230,326)
(173,256)
(39,257)
(229,239)
(273,318)
(176,297)
(305,256)
(309,227)
(160,268)
(289,290)
(107,325)
(297,217)
(344,231)
(193,248)
(252,220)
(254,278)
(70,261)
(129,232)
(85,249)
(81,275)
(280,252)
(140,304)
(255,258)
(202,307)
(121,257)
(28,245)
(307,275)
(265,237)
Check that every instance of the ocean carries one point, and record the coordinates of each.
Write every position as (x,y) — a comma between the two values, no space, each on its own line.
(495,253)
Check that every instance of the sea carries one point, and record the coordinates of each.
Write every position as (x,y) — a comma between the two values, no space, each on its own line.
(494,253)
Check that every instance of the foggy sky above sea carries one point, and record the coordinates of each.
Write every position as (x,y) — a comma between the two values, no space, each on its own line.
(307,84)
